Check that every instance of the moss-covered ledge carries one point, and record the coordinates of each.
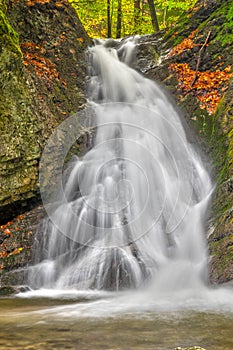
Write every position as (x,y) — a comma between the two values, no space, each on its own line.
(221,234)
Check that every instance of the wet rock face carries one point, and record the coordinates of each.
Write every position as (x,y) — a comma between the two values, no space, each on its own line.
(221,237)
(43,69)
(213,130)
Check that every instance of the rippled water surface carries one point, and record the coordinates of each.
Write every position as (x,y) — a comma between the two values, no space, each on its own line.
(81,322)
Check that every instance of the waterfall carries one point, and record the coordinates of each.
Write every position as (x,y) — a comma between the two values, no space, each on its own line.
(133,208)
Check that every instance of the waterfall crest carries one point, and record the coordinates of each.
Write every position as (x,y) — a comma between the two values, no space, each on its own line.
(133,207)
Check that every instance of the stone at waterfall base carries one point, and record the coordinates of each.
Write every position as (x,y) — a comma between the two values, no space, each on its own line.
(192,348)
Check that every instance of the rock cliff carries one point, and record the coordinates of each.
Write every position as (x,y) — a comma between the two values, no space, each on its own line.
(42,82)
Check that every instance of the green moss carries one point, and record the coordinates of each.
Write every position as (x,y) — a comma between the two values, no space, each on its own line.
(221,251)
(3,5)
(220,23)
(223,118)
(225,34)
(18,127)
(8,37)
(221,240)
(7,290)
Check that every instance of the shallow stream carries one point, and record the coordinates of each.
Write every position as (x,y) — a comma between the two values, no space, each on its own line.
(101,321)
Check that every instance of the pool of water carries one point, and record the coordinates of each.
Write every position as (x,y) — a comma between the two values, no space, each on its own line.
(101,321)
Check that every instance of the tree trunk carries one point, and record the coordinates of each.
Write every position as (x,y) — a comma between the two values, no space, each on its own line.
(165,16)
(119,19)
(137,12)
(109,22)
(153,14)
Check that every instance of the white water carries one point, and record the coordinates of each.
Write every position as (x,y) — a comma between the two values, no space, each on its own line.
(133,214)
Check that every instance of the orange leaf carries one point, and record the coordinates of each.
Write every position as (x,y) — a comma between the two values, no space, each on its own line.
(7,231)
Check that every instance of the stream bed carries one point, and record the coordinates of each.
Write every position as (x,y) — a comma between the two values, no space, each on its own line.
(85,322)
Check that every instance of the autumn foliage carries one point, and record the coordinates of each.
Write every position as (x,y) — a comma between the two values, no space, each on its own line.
(34,59)
(13,240)
(207,86)
(186,44)
(33,2)
(33,56)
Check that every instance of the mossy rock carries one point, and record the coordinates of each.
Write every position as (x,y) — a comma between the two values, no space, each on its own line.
(43,70)
(9,38)
(221,237)
(9,290)
(6,290)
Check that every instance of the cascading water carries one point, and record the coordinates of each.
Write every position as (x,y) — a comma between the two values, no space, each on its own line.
(133,208)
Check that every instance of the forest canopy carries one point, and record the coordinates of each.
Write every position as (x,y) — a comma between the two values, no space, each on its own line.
(119,18)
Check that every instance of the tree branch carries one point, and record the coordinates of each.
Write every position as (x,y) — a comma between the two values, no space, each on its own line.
(199,58)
